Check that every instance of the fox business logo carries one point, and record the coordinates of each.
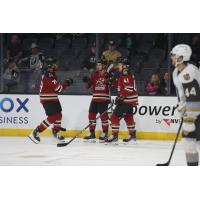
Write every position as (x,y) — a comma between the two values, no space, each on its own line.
(168,122)
(9,105)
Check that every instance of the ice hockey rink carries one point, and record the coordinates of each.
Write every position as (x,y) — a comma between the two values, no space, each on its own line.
(21,151)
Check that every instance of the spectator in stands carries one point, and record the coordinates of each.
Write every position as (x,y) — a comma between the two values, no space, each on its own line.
(14,49)
(111,55)
(196,50)
(11,76)
(129,42)
(35,64)
(35,59)
(90,61)
(153,85)
(165,84)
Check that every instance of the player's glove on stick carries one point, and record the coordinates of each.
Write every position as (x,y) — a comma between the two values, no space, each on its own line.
(86,79)
(181,107)
(119,100)
(69,81)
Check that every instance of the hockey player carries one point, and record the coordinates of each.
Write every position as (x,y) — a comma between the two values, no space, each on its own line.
(186,78)
(98,82)
(49,90)
(126,100)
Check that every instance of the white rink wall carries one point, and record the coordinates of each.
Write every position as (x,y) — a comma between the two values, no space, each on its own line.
(154,114)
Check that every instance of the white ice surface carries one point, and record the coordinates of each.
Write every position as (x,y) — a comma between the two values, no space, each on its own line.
(21,151)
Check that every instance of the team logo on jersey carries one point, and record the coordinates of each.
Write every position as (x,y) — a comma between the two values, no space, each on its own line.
(100,84)
(126,80)
(33,60)
(186,77)
(54,82)
(100,81)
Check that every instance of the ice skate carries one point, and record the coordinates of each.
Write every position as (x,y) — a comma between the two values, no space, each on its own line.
(112,140)
(90,137)
(57,135)
(103,137)
(34,136)
(130,138)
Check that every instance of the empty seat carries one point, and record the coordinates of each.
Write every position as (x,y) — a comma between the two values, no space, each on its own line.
(62,43)
(28,41)
(124,52)
(51,53)
(151,64)
(46,43)
(184,38)
(62,46)
(136,62)
(144,48)
(79,43)
(157,52)
(149,37)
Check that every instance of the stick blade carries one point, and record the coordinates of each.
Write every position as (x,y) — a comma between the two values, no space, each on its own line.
(65,143)
(163,164)
(62,144)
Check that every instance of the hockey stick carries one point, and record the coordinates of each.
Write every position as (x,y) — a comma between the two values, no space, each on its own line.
(172,151)
(66,143)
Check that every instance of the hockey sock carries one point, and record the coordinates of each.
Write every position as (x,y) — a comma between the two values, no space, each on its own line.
(130,123)
(192,155)
(105,124)
(92,121)
(44,125)
(192,159)
(50,120)
(115,124)
(57,125)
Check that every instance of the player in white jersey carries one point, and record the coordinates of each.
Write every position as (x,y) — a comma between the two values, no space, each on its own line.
(186,78)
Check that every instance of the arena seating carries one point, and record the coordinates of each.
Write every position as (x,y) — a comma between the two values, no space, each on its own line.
(71,52)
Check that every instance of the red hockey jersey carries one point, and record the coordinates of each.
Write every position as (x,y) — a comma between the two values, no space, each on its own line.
(127,89)
(50,88)
(99,84)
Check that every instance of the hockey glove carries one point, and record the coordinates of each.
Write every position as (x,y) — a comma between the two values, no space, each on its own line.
(86,79)
(181,107)
(119,100)
(69,81)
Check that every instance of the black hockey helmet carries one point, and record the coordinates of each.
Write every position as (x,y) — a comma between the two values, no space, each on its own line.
(125,65)
(123,61)
(102,61)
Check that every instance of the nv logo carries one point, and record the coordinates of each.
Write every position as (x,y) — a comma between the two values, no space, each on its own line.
(167,121)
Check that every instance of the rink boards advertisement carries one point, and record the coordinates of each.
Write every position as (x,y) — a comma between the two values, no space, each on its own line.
(155,117)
